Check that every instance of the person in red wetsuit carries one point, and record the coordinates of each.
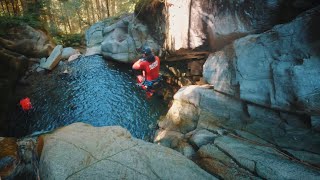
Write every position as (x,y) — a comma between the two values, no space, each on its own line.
(150,66)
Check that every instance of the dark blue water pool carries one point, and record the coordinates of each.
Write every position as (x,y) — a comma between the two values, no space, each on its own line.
(95,91)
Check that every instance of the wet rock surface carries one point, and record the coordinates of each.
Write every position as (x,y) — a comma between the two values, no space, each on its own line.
(18,158)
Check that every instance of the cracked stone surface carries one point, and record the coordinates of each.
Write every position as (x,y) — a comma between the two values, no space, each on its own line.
(216,161)
(267,162)
(81,151)
(222,115)
(278,68)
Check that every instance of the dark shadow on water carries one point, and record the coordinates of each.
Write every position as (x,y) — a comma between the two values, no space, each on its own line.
(313,35)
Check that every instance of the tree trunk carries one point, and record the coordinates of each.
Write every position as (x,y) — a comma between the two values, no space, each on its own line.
(113,7)
(189,24)
(69,25)
(13,7)
(79,20)
(108,8)
(23,6)
(102,12)
(2,6)
(103,9)
(51,21)
(7,6)
(18,7)
(92,13)
(98,9)
(64,23)
(88,14)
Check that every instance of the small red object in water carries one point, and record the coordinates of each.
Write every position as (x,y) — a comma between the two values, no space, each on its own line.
(26,104)
(149,94)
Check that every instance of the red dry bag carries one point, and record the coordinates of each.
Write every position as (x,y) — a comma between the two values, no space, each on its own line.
(26,104)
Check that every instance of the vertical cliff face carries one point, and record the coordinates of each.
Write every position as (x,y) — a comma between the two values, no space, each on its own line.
(153,13)
(260,108)
(12,65)
(190,24)
(16,46)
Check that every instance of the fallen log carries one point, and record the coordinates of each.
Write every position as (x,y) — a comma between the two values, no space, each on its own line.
(187,55)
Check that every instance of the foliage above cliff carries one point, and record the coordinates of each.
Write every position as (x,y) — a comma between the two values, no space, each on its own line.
(65,20)
(64,16)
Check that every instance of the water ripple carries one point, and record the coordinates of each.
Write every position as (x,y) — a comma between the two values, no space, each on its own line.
(96,92)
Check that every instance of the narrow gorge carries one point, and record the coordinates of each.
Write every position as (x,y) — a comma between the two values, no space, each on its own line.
(241,95)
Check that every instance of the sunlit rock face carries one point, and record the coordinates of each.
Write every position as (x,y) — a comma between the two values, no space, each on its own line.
(260,107)
(213,24)
(119,40)
(93,35)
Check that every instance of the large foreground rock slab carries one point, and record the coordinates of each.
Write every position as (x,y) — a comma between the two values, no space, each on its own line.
(80,151)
